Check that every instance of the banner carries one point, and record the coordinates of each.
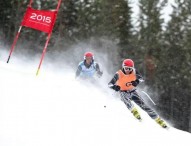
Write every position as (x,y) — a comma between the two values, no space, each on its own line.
(42,20)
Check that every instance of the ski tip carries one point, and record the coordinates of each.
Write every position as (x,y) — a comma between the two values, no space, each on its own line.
(166,127)
(139,119)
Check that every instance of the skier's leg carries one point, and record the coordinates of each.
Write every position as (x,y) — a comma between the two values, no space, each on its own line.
(125,97)
(139,101)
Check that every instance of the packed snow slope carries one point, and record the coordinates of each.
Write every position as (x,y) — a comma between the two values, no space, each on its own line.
(53,109)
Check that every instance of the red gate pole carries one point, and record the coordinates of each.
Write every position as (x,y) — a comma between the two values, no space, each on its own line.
(47,41)
(16,37)
(43,53)
(30,3)
(14,43)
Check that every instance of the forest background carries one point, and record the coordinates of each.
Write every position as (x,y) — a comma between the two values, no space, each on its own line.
(160,49)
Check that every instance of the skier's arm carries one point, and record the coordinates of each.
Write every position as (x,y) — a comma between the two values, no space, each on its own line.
(139,76)
(79,69)
(99,72)
(139,79)
(112,85)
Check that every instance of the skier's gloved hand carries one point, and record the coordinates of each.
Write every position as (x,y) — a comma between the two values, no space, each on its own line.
(99,74)
(116,87)
(135,83)
(128,84)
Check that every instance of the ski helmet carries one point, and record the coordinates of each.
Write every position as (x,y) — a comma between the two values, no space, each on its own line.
(88,54)
(128,63)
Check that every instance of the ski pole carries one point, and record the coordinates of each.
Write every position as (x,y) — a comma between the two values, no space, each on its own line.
(149,97)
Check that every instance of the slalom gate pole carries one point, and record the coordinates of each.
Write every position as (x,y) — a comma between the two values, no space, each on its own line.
(16,37)
(47,41)
(43,53)
(30,3)
(14,43)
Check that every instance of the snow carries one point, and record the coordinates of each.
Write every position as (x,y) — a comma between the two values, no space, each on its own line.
(53,109)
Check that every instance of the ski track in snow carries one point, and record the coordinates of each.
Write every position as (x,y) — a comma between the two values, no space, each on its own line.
(53,109)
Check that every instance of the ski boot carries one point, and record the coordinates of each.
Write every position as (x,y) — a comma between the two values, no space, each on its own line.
(161,122)
(136,114)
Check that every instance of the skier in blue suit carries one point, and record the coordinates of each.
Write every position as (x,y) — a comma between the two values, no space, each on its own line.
(88,68)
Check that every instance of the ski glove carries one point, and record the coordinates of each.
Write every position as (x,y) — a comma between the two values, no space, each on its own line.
(116,87)
(135,83)
(99,73)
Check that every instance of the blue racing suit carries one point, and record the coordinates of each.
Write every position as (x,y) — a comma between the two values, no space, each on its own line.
(86,71)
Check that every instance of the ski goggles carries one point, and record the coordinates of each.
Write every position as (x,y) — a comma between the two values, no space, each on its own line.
(88,58)
(128,68)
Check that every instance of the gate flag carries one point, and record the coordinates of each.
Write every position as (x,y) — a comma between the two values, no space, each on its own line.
(39,19)
(42,20)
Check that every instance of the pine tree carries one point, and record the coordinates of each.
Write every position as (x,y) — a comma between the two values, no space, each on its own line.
(150,34)
(10,15)
(173,72)
(123,27)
